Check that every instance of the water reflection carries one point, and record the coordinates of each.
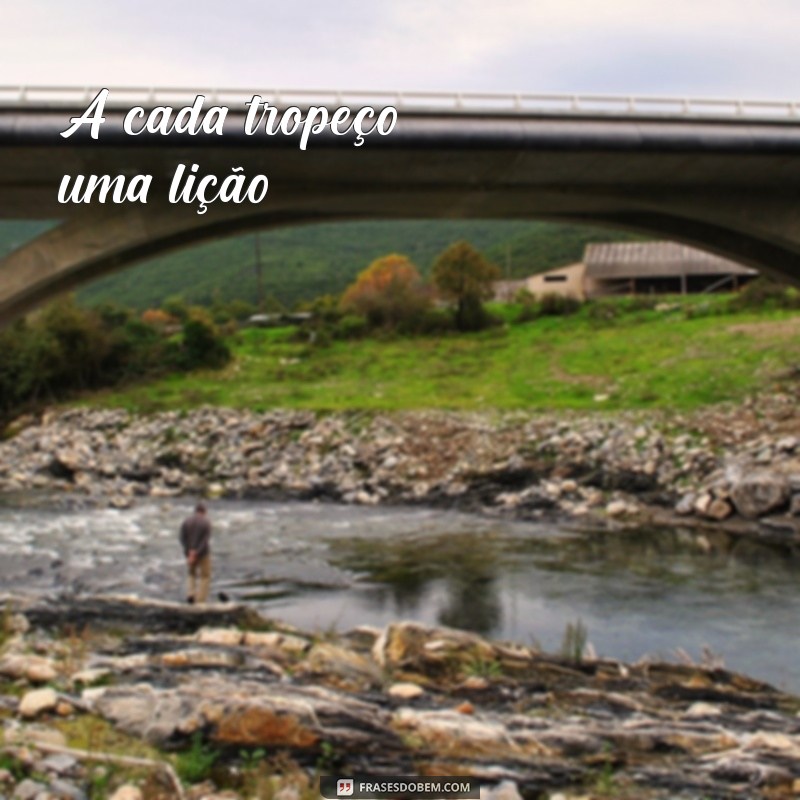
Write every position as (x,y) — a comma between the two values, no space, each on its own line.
(640,592)
(404,575)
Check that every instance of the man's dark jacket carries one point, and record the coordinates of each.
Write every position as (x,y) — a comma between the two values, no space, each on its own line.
(196,534)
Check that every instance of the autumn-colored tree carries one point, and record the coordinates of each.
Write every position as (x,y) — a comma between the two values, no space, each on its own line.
(158,318)
(388,292)
(463,275)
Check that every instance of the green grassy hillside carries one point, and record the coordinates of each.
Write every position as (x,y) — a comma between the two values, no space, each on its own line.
(694,353)
(301,263)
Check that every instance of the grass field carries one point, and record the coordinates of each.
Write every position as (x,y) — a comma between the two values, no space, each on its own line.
(695,354)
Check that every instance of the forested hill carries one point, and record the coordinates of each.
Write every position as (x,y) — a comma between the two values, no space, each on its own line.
(303,262)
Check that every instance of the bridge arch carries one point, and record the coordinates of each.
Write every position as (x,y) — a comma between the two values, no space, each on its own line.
(726,184)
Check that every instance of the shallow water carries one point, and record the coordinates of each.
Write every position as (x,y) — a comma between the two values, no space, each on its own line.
(325,566)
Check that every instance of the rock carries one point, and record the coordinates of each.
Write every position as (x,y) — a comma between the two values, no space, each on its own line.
(133,613)
(760,492)
(719,509)
(620,508)
(702,503)
(416,648)
(505,790)
(245,713)
(88,677)
(64,790)
(29,790)
(59,763)
(685,506)
(201,658)
(285,642)
(475,683)
(127,792)
(120,502)
(41,672)
(405,691)
(229,637)
(794,505)
(92,695)
(287,793)
(701,710)
(37,702)
(340,667)
(18,623)
(33,668)
(33,735)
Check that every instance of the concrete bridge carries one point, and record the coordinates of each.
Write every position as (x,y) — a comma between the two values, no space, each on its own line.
(721,175)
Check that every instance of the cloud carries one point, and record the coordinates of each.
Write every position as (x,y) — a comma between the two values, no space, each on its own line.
(625,46)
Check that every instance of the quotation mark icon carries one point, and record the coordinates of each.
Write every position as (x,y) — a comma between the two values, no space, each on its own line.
(344,787)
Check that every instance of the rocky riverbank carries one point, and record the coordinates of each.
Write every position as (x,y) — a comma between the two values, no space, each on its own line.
(732,465)
(115,697)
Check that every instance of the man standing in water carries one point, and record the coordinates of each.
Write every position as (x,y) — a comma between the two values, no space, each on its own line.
(195,540)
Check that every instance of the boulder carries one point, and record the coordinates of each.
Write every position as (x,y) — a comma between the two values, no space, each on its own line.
(719,509)
(29,790)
(620,508)
(685,506)
(416,648)
(405,691)
(35,669)
(760,493)
(340,667)
(244,713)
(37,702)
(127,792)
(228,637)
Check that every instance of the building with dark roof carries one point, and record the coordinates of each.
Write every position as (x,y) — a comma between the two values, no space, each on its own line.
(658,268)
(634,268)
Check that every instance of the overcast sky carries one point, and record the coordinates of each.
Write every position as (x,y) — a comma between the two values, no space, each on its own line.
(728,48)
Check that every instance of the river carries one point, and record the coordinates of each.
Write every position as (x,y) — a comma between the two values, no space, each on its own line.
(322,567)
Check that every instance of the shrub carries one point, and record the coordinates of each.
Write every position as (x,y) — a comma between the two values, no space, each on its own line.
(428,322)
(64,349)
(642,302)
(350,326)
(325,308)
(524,297)
(194,765)
(527,313)
(176,307)
(202,346)
(603,310)
(557,305)
(765,292)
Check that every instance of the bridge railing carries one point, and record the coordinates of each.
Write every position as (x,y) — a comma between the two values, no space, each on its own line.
(433,102)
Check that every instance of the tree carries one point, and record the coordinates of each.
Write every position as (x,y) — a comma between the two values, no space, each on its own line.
(463,275)
(389,292)
(202,345)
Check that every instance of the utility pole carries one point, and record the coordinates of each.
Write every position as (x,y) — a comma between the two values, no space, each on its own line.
(259,274)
